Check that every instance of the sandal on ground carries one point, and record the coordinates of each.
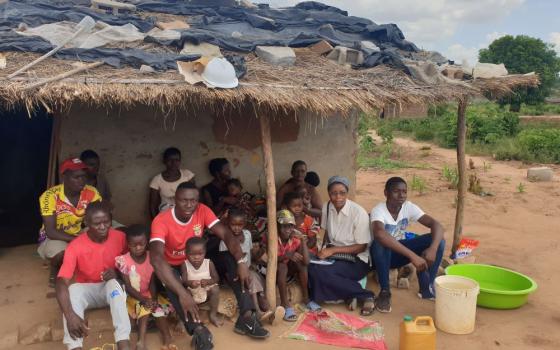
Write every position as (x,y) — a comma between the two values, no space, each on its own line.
(368,307)
(290,315)
(313,306)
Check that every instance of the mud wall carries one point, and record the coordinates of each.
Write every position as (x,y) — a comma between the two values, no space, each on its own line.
(131,143)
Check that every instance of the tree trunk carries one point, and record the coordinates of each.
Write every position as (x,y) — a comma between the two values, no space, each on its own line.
(462,170)
(271,210)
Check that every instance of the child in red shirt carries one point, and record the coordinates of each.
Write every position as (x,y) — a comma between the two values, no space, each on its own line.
(305,224)
(293,259)
(140,285)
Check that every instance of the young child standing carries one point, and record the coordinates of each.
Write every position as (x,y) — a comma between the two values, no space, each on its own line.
(139,280)
(200,277)
(305,224)
(293,259)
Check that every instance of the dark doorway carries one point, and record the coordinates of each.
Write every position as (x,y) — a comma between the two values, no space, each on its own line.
(25,144)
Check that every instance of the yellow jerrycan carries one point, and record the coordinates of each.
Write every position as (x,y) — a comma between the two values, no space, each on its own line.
(417,333)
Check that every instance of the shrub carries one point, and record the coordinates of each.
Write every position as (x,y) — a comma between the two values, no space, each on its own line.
(542,144)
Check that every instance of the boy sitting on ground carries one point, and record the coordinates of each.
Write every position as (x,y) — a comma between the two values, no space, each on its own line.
(200,277)
(390,248)
(305,224)
(140,285)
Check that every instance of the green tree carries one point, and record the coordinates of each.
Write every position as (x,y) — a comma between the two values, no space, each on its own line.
(523,54)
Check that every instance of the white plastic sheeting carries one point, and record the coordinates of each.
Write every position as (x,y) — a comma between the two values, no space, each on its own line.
(102,34)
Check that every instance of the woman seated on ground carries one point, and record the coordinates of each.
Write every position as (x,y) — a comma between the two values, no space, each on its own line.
(211,193)
(164,184)
(347,235)
(299,171)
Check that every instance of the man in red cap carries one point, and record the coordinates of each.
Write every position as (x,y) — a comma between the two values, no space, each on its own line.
(63,208)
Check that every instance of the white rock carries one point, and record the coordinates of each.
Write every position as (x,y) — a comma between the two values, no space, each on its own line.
(489,70)
(277,55)
(540,174)
(146,69)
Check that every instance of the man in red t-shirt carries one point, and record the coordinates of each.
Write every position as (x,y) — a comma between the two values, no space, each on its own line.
(87,279)
(170,231)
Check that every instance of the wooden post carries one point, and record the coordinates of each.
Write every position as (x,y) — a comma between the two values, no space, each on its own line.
(266,144)
(462,170)
(53,152)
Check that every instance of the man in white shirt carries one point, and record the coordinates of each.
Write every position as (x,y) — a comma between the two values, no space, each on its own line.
(392,247)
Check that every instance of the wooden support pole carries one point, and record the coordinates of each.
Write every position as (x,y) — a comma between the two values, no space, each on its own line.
(62,75)
(266,144)
(53,152)
(462,170)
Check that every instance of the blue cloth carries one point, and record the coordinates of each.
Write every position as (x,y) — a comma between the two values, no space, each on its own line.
(338,281)
(384,259)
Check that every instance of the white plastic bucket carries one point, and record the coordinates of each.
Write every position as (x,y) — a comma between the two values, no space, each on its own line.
(456,304)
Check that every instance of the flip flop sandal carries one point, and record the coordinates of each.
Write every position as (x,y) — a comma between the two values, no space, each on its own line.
(279,314)
(368,307)
(170,347)
(290,315)
(313,306)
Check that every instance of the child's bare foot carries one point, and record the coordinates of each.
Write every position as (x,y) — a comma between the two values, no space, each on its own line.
(215,319)
(141,346)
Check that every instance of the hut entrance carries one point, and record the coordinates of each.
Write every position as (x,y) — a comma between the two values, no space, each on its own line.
(24,144)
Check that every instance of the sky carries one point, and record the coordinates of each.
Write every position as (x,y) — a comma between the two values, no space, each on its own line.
(457,28)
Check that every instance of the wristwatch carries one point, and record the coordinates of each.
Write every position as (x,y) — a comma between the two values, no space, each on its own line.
(242,260)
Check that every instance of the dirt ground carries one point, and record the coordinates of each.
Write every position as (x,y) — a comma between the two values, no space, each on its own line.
(516,230)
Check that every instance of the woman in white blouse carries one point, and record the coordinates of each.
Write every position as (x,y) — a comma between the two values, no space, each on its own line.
(347,237)
(164,184)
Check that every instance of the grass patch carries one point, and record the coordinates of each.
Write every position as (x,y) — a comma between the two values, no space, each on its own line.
(418,184)
(491,130)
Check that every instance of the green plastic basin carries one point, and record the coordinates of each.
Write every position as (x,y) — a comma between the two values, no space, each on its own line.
(499,288)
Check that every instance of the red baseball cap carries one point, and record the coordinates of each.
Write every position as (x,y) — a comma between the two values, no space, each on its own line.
(72,164)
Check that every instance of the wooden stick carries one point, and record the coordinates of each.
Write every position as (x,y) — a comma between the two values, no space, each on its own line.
(62,76)
(49,54)
(462,170)
(53,152)
(271,266)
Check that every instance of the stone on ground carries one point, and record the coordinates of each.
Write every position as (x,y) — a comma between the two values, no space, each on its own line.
(277,55)
(540,174)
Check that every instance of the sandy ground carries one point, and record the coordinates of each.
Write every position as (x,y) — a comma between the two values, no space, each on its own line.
(516,230)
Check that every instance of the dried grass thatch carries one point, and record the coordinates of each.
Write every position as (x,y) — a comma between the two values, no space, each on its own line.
(314,83)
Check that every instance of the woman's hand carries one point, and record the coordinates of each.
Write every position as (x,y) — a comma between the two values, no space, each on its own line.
(325,253)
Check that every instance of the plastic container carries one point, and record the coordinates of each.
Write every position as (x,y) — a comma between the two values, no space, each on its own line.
(456,304)
(499,288)
(417,334)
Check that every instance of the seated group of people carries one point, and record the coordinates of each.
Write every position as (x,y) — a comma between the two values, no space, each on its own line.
(200,238)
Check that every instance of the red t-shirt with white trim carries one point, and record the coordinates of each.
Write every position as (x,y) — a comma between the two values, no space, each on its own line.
(174,234)
(86,260)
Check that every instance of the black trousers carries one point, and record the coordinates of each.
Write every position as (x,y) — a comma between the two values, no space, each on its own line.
(188,322)
(227,269)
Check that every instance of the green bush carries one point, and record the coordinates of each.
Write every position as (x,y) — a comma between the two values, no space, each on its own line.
(542,144)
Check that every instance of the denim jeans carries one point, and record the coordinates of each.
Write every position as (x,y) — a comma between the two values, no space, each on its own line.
(384,259)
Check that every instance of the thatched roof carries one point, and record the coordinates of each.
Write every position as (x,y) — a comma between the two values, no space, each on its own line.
(314,83)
